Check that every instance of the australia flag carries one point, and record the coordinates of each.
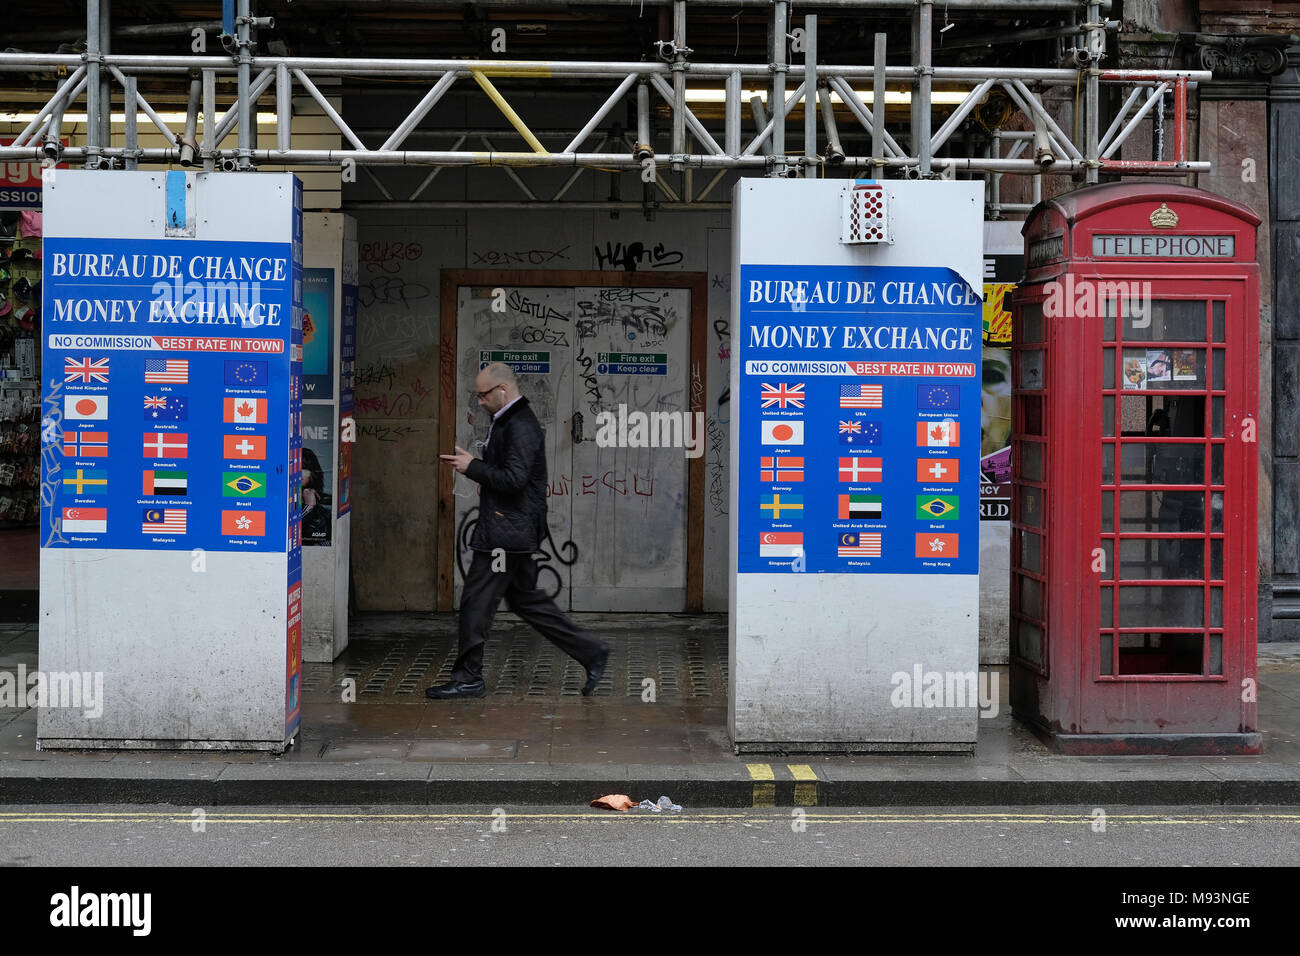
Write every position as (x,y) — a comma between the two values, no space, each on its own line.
(166,408)
(861,434)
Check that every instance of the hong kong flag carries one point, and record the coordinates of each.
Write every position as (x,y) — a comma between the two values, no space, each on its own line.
(248,523)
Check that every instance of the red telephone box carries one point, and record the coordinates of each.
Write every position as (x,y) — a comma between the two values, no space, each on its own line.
(1135,384)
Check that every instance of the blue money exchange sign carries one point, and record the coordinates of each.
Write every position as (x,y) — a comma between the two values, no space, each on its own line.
(860,435)
(165,367)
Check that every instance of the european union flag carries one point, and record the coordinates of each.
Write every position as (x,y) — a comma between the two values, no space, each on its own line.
(938,396)
(245,372)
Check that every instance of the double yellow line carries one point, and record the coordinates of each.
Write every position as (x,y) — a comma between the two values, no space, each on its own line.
(764,777)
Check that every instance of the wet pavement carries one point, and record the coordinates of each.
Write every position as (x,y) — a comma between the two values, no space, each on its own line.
(369,735)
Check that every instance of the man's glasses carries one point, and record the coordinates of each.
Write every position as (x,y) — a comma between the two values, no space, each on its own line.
(488,392)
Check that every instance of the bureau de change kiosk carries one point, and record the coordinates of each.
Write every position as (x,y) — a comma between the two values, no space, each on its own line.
(1135,458)
(855,383)
(171,557)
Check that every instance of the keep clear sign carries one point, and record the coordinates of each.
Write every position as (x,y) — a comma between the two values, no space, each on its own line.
(860,434)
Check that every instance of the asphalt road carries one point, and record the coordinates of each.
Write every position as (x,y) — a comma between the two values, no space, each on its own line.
(561,836)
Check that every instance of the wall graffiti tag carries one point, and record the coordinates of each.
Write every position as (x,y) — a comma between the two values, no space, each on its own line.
(636,254)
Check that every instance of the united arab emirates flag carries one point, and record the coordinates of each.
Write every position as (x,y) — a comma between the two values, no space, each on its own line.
(859,506)
(166,483)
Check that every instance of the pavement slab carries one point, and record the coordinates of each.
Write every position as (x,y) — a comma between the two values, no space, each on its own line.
(535,740)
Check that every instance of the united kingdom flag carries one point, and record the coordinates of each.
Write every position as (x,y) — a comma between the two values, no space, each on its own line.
(85,370)
(782,395)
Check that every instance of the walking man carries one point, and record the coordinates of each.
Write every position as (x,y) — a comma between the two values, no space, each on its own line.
(510,528)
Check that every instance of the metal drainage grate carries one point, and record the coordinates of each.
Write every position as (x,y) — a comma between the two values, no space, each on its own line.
(519,664)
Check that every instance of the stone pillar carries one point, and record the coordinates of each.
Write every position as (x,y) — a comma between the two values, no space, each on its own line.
(1234,137)
(1236,110)
(1284,444)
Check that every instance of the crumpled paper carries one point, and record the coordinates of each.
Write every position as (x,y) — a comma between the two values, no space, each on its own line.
(614,801)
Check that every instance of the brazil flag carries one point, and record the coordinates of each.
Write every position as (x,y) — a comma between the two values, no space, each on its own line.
(243,484)
(941,507)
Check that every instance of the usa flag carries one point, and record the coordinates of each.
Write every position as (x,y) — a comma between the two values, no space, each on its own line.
(782,395)
(167,371)
(862,396)
(85,370)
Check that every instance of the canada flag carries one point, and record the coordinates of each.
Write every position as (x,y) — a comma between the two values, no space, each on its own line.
(937,434)
(245,410)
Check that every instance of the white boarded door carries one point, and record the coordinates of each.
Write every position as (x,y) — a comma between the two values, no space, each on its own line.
(617,513)
(630,499)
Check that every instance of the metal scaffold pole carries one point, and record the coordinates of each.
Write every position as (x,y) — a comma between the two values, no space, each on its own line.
(105,118)
(691,137)
(810,95)
(776,101)
(242,25)
(1096,43)
(922,112)
(93,88)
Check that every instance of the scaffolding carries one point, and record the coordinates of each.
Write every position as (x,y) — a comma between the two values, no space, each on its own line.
(762,146)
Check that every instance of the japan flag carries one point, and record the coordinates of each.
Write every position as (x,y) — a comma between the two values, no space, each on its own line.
(85,407)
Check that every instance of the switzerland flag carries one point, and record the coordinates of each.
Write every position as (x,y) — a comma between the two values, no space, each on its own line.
(243,447)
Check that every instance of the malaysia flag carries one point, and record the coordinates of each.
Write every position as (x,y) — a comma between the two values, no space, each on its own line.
(163,521)
(859,545)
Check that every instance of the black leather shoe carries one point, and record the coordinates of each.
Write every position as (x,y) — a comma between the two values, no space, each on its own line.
(454,690)
(595,672)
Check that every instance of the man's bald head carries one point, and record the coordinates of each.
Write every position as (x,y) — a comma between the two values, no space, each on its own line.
(499,373)
(496,386)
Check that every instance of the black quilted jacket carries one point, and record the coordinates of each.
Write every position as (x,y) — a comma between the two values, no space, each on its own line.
(512,483)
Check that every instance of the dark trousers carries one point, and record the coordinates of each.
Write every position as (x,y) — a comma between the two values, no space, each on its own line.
(483,591)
